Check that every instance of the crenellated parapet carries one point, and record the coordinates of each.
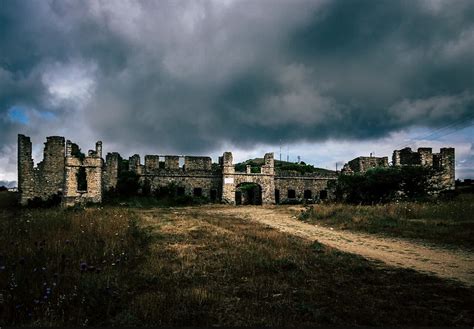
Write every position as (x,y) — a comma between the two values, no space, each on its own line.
(80,178)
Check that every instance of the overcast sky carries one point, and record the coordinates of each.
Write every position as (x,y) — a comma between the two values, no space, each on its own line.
(327,80)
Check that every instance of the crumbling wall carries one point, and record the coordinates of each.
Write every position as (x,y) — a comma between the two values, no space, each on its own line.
(171,162)
(445,170)
(305,188)
(406,157)
(152,164)
(93,166)
(362,164)
(58,173)
(443,165)
(134,164)
(194,174)
(195,163)
(210,185)
(46,180)
(112,168)
(232,180)
(26,176)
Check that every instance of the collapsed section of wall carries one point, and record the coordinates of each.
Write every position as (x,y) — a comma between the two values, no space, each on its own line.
(362,164)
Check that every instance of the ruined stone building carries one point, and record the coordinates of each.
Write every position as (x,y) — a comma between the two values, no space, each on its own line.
(81,178)
(59,172)
(442,164)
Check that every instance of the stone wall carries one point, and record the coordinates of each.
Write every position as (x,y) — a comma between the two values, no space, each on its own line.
(193,175)
(193,163)
(232,180)
(46,180)
(362,164)
(443,165)
(305,188)
(93,166)
(57,172)
(113,165)
(26,176)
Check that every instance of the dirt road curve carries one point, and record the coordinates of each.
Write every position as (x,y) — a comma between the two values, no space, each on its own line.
(452,264)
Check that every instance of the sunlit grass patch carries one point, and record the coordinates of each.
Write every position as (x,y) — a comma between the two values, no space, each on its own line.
(443,222)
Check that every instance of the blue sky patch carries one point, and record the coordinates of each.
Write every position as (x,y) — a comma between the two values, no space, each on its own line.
(18,114)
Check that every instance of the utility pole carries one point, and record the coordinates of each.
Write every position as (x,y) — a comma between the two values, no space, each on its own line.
(280,150)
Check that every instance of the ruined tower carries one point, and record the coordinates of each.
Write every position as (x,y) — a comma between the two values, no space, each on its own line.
(57,175)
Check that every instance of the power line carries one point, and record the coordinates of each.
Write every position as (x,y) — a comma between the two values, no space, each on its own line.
(456,125)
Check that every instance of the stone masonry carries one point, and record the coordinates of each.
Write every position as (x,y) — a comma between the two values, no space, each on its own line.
(442,165)
(63,166)
(57,175)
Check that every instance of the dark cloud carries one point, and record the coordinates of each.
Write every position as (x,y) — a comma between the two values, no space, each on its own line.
(180,76)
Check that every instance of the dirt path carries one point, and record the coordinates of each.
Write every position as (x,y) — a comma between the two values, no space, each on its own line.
(452,264)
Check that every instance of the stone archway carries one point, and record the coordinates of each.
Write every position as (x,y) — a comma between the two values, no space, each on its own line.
(248,194)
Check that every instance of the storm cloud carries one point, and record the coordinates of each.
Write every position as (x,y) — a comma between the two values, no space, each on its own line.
(192,76)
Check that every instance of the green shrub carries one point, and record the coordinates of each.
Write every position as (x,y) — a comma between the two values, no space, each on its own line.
(380,185)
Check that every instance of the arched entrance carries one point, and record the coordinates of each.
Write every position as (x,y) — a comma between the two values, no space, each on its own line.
(248,193)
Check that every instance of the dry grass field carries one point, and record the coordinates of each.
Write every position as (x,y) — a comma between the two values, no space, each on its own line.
(449,223)
(183,267)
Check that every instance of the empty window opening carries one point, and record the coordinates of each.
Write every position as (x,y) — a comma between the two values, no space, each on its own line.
(81,177)
(161,162)
(213,195)
(197,191)
(323,195)
(180,191)
(277,196)
(291,194)
(308,194)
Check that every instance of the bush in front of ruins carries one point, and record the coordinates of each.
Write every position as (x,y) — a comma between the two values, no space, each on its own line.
(127,184)
(380,185)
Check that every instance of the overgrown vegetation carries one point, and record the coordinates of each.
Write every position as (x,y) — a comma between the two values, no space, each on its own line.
(62,267)
(449,222)
(300,168)
(129,192)
(102,267)
(379,185)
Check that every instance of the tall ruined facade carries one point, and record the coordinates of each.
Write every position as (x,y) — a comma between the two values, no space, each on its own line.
(59,172)
(442,163)
(79,178)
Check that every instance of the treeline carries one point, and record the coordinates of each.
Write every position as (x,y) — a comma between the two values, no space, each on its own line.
(379,185)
